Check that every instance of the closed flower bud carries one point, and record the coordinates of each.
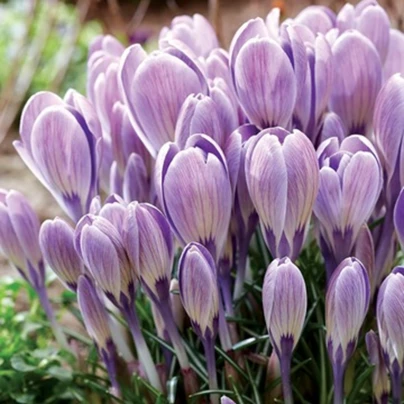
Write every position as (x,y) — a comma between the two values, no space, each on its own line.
(380,378)
(266,90)
(149,243)
(350,185)
(61,145)
(347,302)
(154,103)
(56,239)
(284,300)
(198,289)
(193,186)
(357,81)
(100,245)
(19,230)
(282,177)
(390,324)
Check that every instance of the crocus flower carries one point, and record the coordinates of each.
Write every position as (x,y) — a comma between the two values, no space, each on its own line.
(380,378)
(390,324)
(371,20)
(149,243)
(19,237)
(200,113)
(195,35)
(19,231)
(101,247)
(56,239)
(96,321)
(199,293)
(154,88)
(388,122)
(193,186)
(357,81)
(282,177)
(284,300)
(350,184)
(267,90)
(346,303)
(61,145)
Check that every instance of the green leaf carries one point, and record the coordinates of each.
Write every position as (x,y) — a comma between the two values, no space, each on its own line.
(18,363)
(62,374)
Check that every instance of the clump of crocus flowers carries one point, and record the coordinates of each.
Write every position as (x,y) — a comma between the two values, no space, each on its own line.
(291,140)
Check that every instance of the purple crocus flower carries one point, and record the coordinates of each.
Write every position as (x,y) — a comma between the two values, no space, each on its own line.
(371,20)
(193,186)
(212,115)
(56,239)
(282,177)
(154,88)
(350,184)
(195,35)
(96,321)
(346,303)
(284,300)
(357,81)
(390,324)
(263,75)
(199,293)
(61,145)
(150,247)
(380,378)
(19,231)
(388,132)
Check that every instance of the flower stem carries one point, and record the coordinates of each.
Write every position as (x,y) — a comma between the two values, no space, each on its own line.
(224,333)
(209,347)
(396,379)
(142,349)
(190,381)
(339,373)
(50,314)
(285,362)
(109,357)
(241,268)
